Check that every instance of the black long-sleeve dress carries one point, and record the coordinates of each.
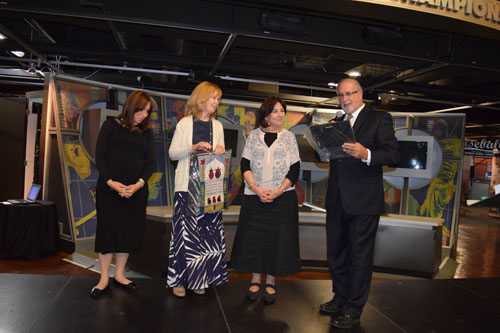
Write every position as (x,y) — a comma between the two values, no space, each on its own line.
(125,157)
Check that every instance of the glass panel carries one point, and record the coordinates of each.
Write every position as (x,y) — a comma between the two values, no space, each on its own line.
(82,174)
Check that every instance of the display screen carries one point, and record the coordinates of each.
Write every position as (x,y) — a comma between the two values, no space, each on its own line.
(33,192)
(231,140)
(412,155)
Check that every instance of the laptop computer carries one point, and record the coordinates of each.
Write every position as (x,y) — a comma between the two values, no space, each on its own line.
(32,195)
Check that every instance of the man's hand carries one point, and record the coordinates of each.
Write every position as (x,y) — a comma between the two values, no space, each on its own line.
(356,150)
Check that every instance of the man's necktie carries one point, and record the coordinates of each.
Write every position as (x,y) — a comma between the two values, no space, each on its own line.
(349,117)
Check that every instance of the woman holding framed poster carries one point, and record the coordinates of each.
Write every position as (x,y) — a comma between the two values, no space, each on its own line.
(197,255)
(267,238)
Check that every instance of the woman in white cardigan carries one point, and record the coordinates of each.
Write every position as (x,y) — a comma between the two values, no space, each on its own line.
(197,256)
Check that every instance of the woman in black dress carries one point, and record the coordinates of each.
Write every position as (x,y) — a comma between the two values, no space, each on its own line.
(267,238)
(126,158)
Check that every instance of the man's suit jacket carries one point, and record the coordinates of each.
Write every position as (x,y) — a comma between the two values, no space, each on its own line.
(360,185)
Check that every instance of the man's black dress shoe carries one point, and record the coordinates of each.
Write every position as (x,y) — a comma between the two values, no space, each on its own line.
(96,293)
(131,286)
(270,298)
(253,295)
(344,321)
(330,307)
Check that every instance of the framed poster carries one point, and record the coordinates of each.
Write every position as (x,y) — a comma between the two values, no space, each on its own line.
(327,139)
(208,182)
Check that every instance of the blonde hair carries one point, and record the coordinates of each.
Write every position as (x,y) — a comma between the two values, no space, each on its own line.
(198,98)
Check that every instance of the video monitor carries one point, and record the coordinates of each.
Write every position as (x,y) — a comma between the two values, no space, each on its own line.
(234,139)
(231,137)
(415,157)
(412,154)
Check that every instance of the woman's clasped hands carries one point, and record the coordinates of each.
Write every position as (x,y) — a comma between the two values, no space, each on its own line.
(266,195)
(124,191)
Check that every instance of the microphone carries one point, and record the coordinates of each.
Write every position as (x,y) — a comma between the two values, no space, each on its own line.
(338,116)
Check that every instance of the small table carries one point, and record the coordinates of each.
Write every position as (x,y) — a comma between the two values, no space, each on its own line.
(493,201)
(28,231)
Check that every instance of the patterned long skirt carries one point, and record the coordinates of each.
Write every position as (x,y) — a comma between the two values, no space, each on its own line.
(197,255)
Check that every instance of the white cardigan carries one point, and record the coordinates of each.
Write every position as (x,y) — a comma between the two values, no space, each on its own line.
(181,148)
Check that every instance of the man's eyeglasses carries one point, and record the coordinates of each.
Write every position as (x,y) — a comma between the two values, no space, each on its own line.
(347,94)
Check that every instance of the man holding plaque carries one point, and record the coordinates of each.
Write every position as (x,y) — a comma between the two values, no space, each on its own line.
(354,201)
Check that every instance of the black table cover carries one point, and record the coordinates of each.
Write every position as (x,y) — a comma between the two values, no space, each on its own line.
(493,201)
(28,231)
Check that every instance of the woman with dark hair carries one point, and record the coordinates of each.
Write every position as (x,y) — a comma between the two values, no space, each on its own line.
(126,158)
(197,256)
(267,238)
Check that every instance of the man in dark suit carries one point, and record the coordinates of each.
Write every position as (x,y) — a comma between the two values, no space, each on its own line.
(354,201)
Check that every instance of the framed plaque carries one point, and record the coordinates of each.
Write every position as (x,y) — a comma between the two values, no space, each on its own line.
(208,182)
(327,139)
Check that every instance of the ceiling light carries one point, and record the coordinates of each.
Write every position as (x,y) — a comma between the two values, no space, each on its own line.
(332,84)
(354,73)
(18,54)
(2,36)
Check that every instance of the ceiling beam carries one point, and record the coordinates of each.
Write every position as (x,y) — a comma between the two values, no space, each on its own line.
(244,20)
(455,103)
(28,48)
(414,73)
(122,44)
(222,55)
(35,25)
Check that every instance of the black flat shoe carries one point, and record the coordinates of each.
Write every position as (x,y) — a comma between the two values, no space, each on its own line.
(270,298)
(130,287)
(96,293)
(253,295)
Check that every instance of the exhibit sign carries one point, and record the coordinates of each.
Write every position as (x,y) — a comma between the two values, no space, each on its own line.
(208,182)
(481,12)
(481,148)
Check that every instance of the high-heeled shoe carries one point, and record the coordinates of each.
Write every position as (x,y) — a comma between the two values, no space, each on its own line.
(270,298)
(253,295)
(179,291)
(95,293)
(131,286)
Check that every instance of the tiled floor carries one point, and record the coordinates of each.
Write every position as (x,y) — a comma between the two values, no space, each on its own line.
(52,296)
(47,303)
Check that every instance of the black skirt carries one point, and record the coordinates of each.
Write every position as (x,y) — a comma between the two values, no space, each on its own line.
(120,222)
(267,238)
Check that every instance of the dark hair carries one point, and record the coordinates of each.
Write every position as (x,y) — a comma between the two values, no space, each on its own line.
(136,101)
(267,107)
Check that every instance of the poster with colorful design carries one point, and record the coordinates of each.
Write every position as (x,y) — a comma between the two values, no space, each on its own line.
(208,182)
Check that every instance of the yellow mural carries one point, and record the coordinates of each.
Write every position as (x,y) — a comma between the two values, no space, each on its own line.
(77,159)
